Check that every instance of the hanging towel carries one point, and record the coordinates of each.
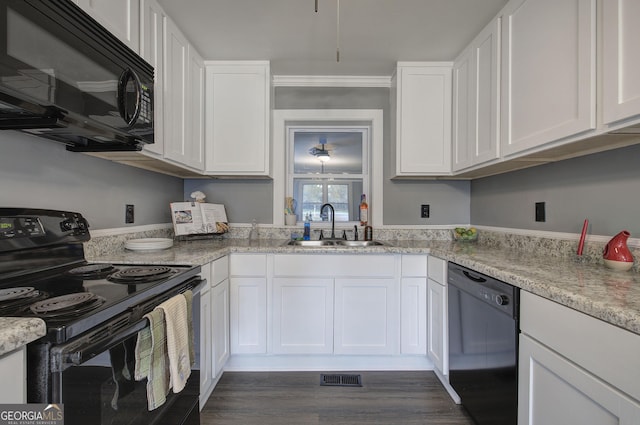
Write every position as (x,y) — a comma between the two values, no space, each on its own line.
(152,359)
(188,295)
(176,320)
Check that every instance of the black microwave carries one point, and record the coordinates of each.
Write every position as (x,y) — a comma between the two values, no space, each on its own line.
(65,77)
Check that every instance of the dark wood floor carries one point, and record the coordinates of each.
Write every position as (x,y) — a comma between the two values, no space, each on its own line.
(389,398)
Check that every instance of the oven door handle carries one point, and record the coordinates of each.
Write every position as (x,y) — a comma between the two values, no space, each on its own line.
(78,352)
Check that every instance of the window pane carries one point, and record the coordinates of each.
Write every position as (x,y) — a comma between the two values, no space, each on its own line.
(343,148)
(338,196)
(312,200)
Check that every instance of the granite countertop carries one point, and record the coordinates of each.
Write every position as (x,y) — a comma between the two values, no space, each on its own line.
(589,288)
(15,332)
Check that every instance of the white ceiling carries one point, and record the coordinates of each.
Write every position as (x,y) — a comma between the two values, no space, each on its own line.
(374,34)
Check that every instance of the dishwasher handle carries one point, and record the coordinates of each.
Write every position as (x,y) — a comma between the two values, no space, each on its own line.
(474,278)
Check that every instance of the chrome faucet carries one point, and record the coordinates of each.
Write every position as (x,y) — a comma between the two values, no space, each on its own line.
(333,220)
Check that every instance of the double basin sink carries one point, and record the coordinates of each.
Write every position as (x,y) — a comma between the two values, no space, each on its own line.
(337,243)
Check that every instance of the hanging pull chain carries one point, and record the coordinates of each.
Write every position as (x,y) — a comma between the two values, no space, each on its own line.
(316,6)
(338,31)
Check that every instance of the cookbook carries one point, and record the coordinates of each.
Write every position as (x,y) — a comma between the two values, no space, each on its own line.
(191,218)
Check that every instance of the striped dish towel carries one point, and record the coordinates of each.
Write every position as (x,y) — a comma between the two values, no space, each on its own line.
(152,361)
(177,326)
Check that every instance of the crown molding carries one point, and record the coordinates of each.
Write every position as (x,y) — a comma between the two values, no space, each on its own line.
(330,81)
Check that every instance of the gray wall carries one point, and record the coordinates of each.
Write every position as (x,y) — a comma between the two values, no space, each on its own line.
(603,187)
(246,199)
(40,173)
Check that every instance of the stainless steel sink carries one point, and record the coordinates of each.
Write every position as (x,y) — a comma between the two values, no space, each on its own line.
(313,243)
(336,243)
(361,243)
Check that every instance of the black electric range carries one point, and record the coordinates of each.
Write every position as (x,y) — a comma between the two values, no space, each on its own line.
(93,314)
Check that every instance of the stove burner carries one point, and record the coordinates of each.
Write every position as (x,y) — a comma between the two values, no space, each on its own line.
(92,270)
(67,305)
(141,274)
(11,294)
(15,301)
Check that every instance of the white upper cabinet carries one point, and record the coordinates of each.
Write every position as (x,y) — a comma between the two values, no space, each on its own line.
(238,118)
(195,109)
(183,85)
(620,59)
(120,17)
(548,72)
(475,100)
(421,112)
(152,50)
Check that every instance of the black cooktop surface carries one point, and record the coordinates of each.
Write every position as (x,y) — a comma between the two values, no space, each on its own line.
(75,298)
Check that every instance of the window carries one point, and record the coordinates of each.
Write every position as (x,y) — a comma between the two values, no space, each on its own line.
(328,165)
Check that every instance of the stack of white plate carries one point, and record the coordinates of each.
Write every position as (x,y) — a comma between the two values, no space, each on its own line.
(148,244)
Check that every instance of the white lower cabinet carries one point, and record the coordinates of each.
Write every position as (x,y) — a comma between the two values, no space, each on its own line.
(302,316)
(13,369)
(413,315)
(248,309)
(248,303)
(310,311)
(220,325)
(366,316)
(202,331)
(206,346)
(553,390)
(575,369)
(437,349)
(413,304)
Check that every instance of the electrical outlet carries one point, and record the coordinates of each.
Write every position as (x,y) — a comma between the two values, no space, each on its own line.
(128,214)
(424,211)
(540,212)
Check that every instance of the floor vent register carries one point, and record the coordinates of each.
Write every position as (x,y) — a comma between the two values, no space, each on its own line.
(341,380)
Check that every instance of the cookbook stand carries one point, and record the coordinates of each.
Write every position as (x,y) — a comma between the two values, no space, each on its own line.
(198,220)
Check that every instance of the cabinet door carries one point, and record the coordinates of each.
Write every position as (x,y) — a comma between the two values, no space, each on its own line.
(464,102)
(485,137)
(248,315)
(194,153)
(13,369)
(238,116)
(120,17)
(553,390)
(176,49)
(413,318)
(437,340)
(152,50)
(423,120)
(206,347)
(548,72)
(220,326)
(366,316)
(302,316)
(621,59)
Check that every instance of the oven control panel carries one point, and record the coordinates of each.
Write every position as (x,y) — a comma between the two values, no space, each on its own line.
(20,227)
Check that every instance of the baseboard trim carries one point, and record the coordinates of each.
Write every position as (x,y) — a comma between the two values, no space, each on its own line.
(306,363)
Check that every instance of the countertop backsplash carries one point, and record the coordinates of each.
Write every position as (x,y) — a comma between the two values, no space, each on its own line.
(560,247)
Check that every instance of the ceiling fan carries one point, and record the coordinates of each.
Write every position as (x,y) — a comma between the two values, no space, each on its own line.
(321,152)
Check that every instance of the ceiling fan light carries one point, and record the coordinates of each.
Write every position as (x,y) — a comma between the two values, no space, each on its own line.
(323,156)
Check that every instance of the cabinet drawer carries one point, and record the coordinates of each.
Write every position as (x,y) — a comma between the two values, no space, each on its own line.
(604,350)
(248,265)
(414,265)
(437,269)
(219,270)
(334,265)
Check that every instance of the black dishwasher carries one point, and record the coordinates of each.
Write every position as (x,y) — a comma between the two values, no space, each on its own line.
(483,345)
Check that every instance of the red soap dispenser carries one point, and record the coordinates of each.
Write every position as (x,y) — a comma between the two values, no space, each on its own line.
(616,253)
